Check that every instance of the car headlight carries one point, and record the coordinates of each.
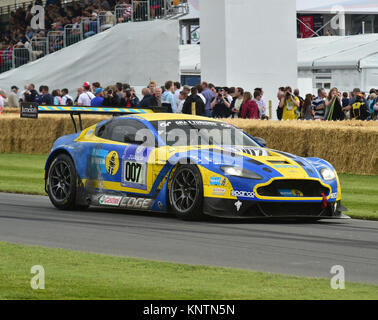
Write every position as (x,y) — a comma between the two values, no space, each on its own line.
(327,174)
(240,172)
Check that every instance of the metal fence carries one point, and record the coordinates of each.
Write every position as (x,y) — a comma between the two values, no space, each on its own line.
(124,13)
(20,56)
(55,40)
(39,47)
(89,26)
(72,33)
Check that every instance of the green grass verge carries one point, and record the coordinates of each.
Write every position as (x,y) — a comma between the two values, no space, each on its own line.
(76,275)
(22,173)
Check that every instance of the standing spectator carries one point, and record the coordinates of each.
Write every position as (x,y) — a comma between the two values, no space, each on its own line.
(30,93)
(3,96)
(250,109)
(280,95)
(289,104)
(66,97)
(22,93)
(155,100)
(197,101)
(95,86)
(182,97)
(358,106)
(119,90)
(110,97)
(345,101)
(168,97)
(261,103)
(176,88)
(46,97)
(186,89)
(86,97)
(333,106)
(129,99)
(220,105)
(213,89)
(152,85)
(237,102)
(13,101)
(318,105)
(301,100)
(306,113)
(228,92)
(372,102)
(98,99)
(57,99)
(79,91)
(209,96)
(146,98)
(199,93)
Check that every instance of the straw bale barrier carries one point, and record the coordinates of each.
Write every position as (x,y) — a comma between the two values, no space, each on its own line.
(351,146)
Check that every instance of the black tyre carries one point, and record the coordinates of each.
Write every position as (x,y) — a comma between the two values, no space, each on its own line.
(186,193)
(62,182)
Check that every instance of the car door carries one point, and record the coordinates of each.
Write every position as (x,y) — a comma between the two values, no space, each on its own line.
(124,158)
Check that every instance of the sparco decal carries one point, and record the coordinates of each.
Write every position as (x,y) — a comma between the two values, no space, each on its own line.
(243,194)
(136,203)
(109,201)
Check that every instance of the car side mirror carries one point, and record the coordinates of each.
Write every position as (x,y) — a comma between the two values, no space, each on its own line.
(261,141)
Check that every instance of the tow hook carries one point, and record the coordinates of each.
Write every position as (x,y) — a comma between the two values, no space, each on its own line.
(324,202)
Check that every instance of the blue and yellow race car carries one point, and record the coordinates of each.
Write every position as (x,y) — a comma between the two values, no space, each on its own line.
(191,166)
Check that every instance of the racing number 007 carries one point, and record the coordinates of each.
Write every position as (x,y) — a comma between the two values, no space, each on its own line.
(132,171)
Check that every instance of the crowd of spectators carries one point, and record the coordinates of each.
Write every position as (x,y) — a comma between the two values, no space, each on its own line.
(206,99)
(18,33)
(331,106)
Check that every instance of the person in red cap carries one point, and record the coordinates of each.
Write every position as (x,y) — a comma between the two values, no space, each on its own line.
(86,97)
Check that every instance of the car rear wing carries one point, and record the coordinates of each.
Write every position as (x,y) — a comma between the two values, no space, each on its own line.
(31,110)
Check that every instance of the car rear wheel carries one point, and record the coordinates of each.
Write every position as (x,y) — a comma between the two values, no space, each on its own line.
(186,193)
(62,183)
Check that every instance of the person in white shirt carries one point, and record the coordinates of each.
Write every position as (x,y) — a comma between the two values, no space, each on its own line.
(86,97)
(66,96)
(261,103)
(199,93)
(182,96)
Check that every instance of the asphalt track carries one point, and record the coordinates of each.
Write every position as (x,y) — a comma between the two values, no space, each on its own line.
(306,249)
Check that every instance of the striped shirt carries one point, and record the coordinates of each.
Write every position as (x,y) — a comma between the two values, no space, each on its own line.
(319,114)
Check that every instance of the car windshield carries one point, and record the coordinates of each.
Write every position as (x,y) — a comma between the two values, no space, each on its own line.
(201,132)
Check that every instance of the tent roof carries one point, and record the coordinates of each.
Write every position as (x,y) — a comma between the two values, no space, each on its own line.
(337,52)
(328,6)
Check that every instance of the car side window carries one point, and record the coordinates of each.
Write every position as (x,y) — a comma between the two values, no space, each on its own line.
(127,131)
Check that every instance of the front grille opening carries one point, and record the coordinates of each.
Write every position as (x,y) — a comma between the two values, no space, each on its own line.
(293,209)
(309,188)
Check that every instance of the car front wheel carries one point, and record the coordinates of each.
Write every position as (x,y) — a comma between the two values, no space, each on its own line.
(186,193)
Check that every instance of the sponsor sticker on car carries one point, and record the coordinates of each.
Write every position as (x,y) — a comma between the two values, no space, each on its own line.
(219,191)
(243,194)
(107,200)
(136,203)
(291,193)
(112,163)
